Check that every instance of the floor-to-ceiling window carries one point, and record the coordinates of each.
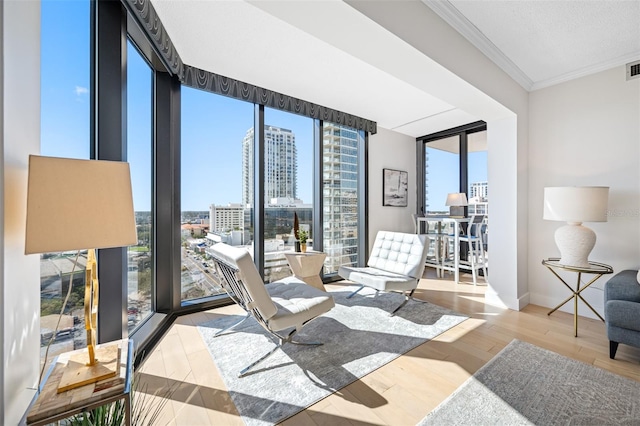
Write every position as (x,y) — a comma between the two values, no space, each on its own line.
(316,176)
(340,199)
(477,166)
(288,186)
(65,132)
(214,141)
(216,177)
(442,174)
(455,161)
(140,276)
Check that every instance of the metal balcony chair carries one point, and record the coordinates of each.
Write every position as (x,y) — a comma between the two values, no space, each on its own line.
(282,307)
(436,244)
(474,237)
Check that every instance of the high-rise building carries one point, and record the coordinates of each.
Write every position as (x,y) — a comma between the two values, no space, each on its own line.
(340,195)
(478,198)
(479,190)
(226,218)
(280,164)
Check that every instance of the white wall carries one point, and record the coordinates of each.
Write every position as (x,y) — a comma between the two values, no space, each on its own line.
(390,150)
(585,132)
(492,96)
(20,277)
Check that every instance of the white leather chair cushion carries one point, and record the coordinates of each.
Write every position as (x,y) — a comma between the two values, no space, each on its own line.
(296,302)
(378,279)
(399,253)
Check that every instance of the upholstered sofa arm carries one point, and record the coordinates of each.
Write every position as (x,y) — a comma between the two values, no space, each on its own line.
(623,314)
(623,286)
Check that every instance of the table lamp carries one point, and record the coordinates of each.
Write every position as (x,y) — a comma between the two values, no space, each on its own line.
(76,205)
(456,203)
(574,205)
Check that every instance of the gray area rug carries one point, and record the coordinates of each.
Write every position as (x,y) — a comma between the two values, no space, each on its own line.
(358,335)
(525,384)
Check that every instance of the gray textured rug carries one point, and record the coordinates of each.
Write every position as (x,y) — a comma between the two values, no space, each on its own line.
(525,385)
(358,335)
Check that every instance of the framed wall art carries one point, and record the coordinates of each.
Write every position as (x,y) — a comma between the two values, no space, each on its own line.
(395,185)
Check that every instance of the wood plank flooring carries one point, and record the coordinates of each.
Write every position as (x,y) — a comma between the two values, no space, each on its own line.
(399,393)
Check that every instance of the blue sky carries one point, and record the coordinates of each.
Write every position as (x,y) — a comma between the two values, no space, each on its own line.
(443,176)
(212,126)
(65,79)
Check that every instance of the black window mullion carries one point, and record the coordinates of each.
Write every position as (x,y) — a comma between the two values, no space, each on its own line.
(318,199)
(167,192)
(258,188)
(363,200)
(464,162)
(421,178)
(109,142)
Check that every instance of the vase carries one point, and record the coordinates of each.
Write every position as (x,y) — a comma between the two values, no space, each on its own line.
(303,247)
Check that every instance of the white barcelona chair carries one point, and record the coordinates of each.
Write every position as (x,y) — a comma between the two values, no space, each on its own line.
(282,307)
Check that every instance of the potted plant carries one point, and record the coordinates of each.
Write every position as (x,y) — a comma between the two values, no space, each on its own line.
(303,236)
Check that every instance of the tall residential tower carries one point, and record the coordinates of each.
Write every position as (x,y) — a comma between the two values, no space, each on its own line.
(280,161)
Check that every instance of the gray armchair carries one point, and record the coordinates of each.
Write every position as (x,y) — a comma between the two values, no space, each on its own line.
(622,310)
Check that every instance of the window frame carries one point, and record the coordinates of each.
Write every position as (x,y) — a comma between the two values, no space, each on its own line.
(462,132)
(118,21)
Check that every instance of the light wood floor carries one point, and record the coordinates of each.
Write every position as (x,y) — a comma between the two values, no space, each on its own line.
(399,393)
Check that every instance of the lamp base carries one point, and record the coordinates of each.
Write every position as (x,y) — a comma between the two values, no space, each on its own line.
(575,242)
(77,373)
(456,211)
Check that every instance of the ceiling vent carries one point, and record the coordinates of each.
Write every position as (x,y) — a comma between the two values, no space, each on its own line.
(633,70)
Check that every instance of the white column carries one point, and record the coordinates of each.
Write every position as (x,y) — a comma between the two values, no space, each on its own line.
(20,136)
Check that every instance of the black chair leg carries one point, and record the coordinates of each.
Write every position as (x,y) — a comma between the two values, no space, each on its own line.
(613,347)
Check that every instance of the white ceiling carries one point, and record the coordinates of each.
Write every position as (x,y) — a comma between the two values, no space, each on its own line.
(541,42)
(328,53)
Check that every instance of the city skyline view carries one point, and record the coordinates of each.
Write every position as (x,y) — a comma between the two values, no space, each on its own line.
(211,143)
(212,168)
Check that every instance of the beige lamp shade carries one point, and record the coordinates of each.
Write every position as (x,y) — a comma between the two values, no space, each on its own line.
(456,199)
(78,204)
(576,204)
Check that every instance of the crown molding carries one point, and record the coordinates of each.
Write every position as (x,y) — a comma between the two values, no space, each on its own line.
(582,72)
(460,23)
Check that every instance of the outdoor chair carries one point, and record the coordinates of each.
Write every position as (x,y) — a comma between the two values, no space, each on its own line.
(282,307)
(474,237)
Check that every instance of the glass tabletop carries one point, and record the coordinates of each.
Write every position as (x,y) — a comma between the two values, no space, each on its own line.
(593,268)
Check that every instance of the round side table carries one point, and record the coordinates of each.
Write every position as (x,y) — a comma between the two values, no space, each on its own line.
(595,268)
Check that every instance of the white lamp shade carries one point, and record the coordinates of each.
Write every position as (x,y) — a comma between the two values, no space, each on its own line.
(78,204)
(456,199)
(576,204)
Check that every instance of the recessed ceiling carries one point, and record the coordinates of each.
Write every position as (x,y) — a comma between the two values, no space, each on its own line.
(329,53)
